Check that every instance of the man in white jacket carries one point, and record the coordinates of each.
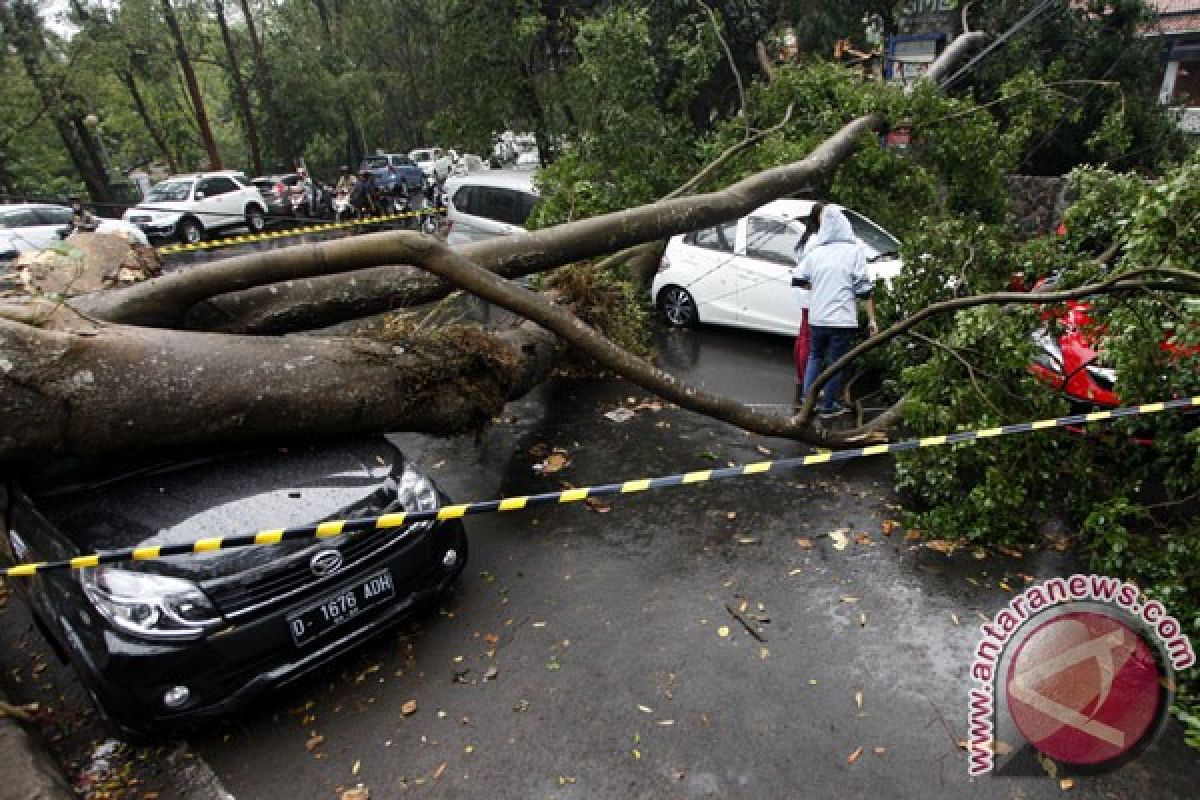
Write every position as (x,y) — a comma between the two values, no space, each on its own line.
(834,268)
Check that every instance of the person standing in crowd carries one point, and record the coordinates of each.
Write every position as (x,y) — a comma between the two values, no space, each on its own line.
(834,269)
(82,220)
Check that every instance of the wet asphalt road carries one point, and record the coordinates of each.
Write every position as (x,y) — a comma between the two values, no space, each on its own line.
(604,626)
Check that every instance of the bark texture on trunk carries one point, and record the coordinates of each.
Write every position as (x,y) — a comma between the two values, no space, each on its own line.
(249,126)
(83,389)
(266,87)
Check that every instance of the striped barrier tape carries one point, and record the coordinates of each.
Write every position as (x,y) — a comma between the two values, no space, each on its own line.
(333,528)
(229,241)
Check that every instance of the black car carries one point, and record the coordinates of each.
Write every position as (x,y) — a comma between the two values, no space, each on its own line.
(163,643)
(276,191)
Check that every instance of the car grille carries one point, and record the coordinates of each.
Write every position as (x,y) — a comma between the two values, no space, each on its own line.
(257,589)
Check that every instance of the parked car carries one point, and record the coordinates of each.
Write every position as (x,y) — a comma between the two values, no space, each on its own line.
(738,273)
(395,173)
(166,643)
(486,204)
(188,206)
(433,161)
(29,227)
(276,192)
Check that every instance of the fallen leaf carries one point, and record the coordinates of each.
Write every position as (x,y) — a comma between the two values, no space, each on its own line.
(314,741)
(552,463)
(620,415)
(409,708)
(763,653)
(355,768)
(861,539)
(731,515)
(850,759)
(795,572)
(745,604)
(521,707)
(539,624)
(441,770)
(723,631)
(858,699)
(941,545)
(747,540)
(491,639)
(846,598)
(359,792)
(912,536)
(804,542)
(880,751)
(1011,552)
(954,617)
(1004,586)
(645,709)
(564,780)
(665,722)
(839,538)
(597,505)
(637,754)
(553,664)
(1066,784)
(491,673)
(889,526)
(862,620)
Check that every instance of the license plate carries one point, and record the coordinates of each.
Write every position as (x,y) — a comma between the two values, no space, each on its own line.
(337,609)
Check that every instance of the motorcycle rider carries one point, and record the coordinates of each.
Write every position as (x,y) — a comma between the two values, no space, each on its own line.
(82,220)
(306,186)
(365,194)
(346,180)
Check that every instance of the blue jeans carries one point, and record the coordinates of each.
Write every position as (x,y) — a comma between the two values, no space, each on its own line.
(826,347)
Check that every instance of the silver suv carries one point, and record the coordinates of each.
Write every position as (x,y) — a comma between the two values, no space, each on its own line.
(188,206)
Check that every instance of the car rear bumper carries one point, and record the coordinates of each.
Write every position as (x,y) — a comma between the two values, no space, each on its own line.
(232,667)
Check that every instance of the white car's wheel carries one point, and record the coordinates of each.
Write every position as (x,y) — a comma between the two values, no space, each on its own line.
(678,306)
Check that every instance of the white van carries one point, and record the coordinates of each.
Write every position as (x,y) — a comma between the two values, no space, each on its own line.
(488,204)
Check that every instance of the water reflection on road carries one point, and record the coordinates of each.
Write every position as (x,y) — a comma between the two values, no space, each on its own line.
(756,368)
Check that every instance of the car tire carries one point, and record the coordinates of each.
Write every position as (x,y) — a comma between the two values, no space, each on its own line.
(189,231)
(678,307)
(256,221)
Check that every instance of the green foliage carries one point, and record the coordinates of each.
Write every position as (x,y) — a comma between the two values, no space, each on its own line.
(1132,506)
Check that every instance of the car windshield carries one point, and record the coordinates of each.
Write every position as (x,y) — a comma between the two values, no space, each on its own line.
(420,155)
(170,191)
(871,234)
(375,162)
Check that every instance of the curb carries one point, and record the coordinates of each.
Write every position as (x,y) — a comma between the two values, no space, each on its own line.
(30,773)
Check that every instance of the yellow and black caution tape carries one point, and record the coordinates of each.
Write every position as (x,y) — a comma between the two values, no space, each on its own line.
(247,238)
(333,528)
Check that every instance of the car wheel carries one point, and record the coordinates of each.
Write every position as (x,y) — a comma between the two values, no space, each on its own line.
(189,231)
(678,307)
(255,220)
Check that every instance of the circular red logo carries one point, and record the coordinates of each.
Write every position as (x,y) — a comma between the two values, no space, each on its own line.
(1083,688)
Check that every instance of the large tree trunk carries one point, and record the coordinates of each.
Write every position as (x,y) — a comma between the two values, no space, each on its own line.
(266,88)
(193,87)
(249,126)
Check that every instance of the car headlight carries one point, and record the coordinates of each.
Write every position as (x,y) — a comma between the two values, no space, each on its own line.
(417,493)
(147,605)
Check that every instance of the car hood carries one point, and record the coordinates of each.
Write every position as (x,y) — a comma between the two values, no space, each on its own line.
(225,495)
(165,205)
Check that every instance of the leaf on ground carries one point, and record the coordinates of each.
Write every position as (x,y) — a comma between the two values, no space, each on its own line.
(848,598)
(730,515)
(409,708)
(858,699)
(804,542)
(491,673)
(850,759)
(552,463)
(441,770)
(941,545)
(1066,784)
(763,653)
(553,664)
(839,538)
(1011,552)
(491,639)
(597,505)
(890,526)
(795,572)
(314,741)
(723,631)
(359,792)
(357,766)
(765,451)
(880,751)
(747,540)
(645,709)
(861,539)
(954,618)
(912,536)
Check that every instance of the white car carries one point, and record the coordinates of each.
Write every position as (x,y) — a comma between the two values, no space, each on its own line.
(187,206)
(481,205)
(738,273)
(433,161)
(29,227)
